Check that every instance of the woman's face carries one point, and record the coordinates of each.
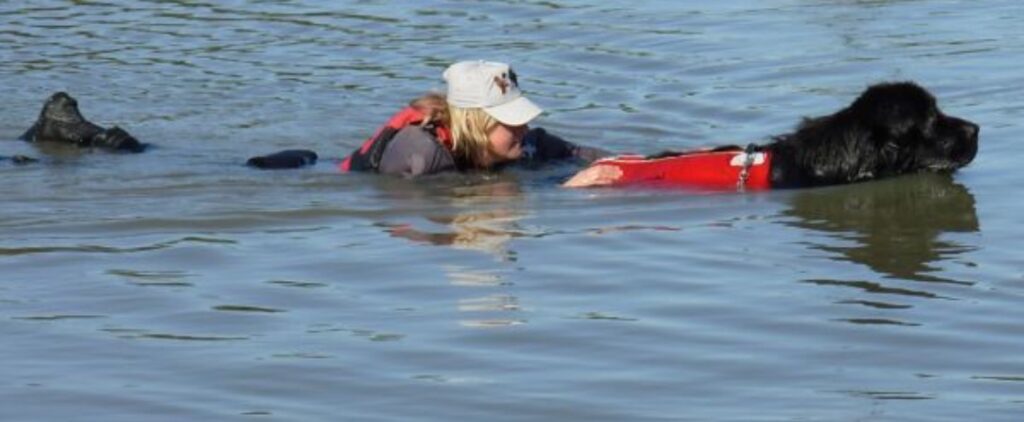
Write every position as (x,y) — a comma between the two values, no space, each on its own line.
(506,143)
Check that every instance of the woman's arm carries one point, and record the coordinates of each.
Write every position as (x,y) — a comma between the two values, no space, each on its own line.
(541,146)
(593,176)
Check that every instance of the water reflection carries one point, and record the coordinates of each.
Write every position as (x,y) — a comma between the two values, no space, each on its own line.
(481,216)
(898,227)
(479,213)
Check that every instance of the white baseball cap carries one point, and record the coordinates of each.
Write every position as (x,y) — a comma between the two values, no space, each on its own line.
(491,86)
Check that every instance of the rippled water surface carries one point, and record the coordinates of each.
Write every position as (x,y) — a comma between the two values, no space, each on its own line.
(180,285)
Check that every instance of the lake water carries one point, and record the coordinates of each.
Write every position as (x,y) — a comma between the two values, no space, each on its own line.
(180,285)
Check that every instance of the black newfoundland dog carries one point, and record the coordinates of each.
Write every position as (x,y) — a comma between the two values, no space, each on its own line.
(60,121)
(891,129)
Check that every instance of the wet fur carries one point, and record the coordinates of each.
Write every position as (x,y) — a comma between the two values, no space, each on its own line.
(891,129)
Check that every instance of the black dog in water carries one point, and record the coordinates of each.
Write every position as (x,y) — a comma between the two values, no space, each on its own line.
(60,121)
(891,129)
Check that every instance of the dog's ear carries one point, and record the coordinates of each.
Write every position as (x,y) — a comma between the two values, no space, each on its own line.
(838,148)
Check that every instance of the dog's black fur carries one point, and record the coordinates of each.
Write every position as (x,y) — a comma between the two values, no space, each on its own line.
(891,129)
(60,121)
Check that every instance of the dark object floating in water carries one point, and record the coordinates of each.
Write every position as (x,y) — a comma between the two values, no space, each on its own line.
(60,121)
(19,159)
(287,159)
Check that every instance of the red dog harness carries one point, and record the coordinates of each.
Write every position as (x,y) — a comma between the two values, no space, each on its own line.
(705,169)
(367,157)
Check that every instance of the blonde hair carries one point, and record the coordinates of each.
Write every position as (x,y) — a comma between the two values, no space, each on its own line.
(434,107)
(469,127)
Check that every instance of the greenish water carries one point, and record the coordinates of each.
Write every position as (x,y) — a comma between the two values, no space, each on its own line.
(180,285)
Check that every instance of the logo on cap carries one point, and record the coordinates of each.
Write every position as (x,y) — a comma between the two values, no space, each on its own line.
(502,84)
(506,80)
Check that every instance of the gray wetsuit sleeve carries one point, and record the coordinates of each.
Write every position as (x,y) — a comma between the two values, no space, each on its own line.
(414,152)
(542,147)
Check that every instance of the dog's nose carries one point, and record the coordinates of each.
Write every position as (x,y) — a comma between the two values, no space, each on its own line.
(967,150)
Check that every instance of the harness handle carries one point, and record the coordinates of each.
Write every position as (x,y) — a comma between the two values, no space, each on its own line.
(748,161)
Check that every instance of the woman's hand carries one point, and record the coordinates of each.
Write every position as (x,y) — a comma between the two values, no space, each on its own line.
(597,175)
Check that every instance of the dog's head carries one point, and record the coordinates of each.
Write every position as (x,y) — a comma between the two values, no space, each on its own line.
(890,129)
(911,131)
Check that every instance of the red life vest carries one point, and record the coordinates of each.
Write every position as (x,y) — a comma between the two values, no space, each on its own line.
(704,169)
(367,157)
